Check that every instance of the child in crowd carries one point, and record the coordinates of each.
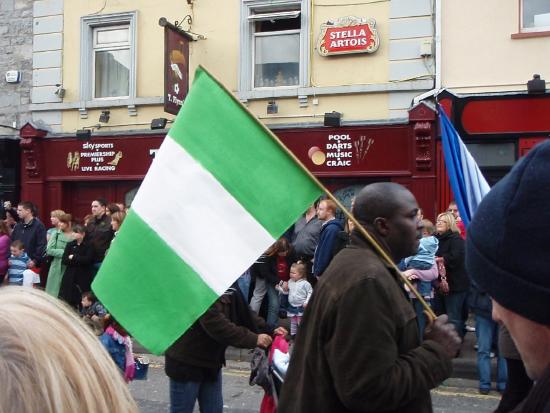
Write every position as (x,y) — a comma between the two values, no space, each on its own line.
(296,293)
(17,265)
(91,307)
(118,344)
(424,258)
(421,269)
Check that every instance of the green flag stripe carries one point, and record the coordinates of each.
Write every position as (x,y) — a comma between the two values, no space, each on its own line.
(148,288)
(242,156)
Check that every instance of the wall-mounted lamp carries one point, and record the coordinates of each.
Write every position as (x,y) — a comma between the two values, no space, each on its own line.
(60,92)
(105,116)
(159,123)
(536,85)
(272,107)
(84,134)
(332,119)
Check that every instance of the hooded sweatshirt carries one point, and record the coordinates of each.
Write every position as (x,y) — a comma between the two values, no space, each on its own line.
(426,253)
(325,248)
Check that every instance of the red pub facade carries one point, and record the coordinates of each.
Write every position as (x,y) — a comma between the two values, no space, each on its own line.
(498,129)
(69,173)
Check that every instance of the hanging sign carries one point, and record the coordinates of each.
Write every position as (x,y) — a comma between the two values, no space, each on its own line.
(348,35)
(176,68)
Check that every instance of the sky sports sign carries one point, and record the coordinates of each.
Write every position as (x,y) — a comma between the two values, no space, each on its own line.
(348,35)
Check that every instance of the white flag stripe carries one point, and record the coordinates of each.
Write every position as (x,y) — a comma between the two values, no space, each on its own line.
(475,183)
(212,232)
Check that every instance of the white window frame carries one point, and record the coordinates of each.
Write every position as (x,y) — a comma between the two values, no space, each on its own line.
(112,46)
(87,55)
(529,29)
(251,11)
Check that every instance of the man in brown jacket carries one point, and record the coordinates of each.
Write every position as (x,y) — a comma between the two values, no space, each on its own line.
(194,361)
(358,348)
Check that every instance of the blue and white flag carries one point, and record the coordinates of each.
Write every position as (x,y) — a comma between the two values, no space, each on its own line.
(468,184)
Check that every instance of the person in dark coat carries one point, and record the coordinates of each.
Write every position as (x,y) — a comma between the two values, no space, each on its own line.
(507,256)
(451,248)
(32,232)
(194,361)
(270,268)
(326,212)
(78,258)
(99,232)
(358,348)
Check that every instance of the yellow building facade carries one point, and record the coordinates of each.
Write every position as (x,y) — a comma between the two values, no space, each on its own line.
(99,77)
(488,62)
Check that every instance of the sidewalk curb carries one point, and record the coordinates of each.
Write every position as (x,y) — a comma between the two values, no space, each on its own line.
(464,367)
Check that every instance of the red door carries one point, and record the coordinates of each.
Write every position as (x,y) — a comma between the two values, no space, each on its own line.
(78,196)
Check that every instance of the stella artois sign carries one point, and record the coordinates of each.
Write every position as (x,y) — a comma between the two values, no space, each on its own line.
(348,35)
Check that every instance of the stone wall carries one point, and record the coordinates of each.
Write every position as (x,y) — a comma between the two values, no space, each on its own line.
(16,39)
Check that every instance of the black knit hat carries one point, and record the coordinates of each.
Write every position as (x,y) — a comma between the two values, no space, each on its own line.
(508,244)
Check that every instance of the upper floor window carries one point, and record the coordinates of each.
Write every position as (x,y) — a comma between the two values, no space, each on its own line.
(111,49)
(108,56)
(276,49)
(535,15)
(274,45)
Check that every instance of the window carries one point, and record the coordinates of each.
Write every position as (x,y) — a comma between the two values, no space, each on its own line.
(276,50)
(111,49)
(535,15)
(108,56)
(274,45)
(493,154)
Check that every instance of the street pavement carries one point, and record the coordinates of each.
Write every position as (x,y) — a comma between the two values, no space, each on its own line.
(453,396)
(458,394)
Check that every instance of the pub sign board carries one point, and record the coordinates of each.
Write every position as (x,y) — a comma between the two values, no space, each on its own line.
(352,151)
(176,68)
(100,157)
(348,35)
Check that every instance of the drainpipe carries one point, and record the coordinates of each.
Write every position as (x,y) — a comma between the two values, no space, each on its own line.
(438,44)
(437,38)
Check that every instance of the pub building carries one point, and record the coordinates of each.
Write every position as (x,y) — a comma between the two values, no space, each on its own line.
(70,172)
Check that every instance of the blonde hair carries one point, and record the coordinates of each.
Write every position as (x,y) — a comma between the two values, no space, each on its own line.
(46,348)
(300,268)
(450,220)
(66,219)
(57,213)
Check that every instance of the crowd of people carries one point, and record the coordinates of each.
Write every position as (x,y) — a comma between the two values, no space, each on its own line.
(64,260)
(357,342)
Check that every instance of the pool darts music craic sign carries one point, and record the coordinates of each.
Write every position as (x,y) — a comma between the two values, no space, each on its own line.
(348,35)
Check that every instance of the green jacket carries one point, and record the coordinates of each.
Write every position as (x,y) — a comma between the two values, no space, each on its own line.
(358,347)
(56,246)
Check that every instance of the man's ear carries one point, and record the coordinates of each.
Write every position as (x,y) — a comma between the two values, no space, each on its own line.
(381,226)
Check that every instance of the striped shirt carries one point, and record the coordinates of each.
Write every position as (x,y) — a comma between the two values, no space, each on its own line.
(16,267)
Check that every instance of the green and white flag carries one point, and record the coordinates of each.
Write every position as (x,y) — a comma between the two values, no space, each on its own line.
(220,191)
